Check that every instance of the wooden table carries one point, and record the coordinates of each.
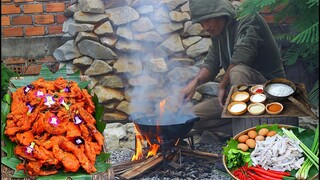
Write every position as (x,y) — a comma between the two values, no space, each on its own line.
(288,116)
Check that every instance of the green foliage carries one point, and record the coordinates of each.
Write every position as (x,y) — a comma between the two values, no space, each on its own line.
(49,76)
(231,144)
(251,7)
(6,74)
(237,158)
(313,95)
(304,35)
(98,115)
(310,35)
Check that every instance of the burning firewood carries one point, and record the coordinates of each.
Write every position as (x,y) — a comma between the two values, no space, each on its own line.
(142,167)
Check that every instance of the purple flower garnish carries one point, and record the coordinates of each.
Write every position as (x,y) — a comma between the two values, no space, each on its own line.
(77,119)
(66,89)
(78,140)
(30,108)
(27,88)
(54,121)
(61,101)
(39,94)
(29,149)
(49,100)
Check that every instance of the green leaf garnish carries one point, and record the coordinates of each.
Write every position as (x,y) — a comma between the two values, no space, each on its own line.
(231,144)
(99,109)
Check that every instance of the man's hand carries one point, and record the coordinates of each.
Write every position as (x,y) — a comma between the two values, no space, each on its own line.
(187,92)
(221,95)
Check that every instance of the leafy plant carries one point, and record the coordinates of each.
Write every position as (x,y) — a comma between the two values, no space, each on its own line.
(11,161)
(304,36)
(6,74)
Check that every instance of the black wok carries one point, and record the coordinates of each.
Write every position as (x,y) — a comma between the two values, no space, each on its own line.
(168,128)
(289,96)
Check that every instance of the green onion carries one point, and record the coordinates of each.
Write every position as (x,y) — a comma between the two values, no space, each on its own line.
(302,173)
(310,155)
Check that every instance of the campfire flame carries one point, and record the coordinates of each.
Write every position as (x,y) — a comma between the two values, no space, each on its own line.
(153,148)
(139,153)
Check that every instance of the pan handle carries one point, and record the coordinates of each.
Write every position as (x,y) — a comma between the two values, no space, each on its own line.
(302,107)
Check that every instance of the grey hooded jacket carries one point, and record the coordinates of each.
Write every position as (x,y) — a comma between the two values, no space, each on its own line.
(247,41)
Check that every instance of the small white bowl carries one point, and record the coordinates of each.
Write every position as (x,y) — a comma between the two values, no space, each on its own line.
(256,108)
(258,98)
(240,96)
(237,108)
(256,89)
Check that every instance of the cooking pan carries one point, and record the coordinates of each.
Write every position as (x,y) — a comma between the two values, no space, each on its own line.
(168,128)
(281,89)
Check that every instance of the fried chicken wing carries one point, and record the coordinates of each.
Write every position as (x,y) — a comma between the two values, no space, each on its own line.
(96,134)
(54,140)
(45,155)
(20,151)
(33,168)
(73,130)
(69,161)
(25,138)
(90,152)
(86,164)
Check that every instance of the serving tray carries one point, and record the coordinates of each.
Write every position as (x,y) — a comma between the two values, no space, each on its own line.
(289,109)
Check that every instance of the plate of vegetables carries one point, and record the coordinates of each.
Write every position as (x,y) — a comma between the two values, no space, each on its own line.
(273,152)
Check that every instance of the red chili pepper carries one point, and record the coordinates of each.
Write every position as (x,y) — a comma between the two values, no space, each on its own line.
(255,176)
(267,176)
(280,172)
(239,174)
(272,171)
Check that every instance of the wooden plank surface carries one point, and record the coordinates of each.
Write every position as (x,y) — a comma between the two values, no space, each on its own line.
(289,110)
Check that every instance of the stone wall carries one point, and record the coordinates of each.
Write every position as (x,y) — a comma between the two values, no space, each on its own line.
(133,51)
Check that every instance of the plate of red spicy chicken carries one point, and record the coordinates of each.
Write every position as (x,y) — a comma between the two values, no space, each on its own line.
(54,128)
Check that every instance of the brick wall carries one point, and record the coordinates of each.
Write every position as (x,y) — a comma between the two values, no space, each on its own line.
(27,18)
